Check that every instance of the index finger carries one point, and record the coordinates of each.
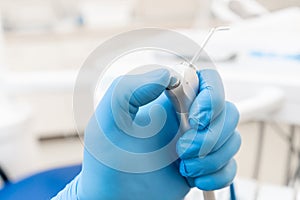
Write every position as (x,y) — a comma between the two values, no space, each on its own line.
(210,100)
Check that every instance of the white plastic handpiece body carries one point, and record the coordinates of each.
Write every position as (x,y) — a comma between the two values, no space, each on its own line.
(182,91)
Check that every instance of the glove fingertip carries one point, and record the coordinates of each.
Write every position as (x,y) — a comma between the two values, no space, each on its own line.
(162,75)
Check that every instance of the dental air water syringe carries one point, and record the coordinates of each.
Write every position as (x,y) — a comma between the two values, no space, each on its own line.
(183,90)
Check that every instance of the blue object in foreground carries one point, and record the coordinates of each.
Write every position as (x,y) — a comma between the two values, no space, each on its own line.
(43,185)
(232,192)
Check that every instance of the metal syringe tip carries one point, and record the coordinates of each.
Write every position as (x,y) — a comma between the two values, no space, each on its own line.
(211,32)
(222,28)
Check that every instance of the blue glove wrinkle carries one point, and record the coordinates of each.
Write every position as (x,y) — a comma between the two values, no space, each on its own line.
(134,91)
(213,162)
(213,133)
(218,180)
(190,143)
(210,100)
(104,125)
(141,90)
(146,94)
(200,114)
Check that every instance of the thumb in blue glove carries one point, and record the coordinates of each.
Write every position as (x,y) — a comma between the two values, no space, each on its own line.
(130,150)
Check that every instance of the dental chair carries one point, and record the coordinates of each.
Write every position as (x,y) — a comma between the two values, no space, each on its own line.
(43,185)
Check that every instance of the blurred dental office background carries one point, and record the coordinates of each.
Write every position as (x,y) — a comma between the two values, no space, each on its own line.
(43,44)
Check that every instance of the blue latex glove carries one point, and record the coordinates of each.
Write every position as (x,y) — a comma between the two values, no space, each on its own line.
(136,116)
(208,148)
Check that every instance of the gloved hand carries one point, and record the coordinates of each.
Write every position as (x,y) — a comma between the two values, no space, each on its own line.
(135,116)
(207,149)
